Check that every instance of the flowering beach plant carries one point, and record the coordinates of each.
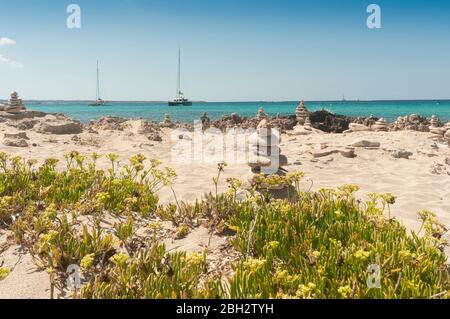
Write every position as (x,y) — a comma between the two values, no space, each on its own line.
(109,222)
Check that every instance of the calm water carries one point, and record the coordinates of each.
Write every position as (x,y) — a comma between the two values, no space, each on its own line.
(155,110)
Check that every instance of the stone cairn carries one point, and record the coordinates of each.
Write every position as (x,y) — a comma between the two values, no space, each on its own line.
(435,128)
(434,122)
(303,126)
(302,113)
(446,127)
(380,126)
(308,122)
(167,122)
(261,115)
(15,104)
(265,157)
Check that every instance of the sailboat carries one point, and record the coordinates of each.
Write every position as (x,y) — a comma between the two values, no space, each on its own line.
(98,100)
(179,99)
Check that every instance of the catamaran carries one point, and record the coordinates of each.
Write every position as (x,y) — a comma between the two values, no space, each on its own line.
(179,99)
(98,100)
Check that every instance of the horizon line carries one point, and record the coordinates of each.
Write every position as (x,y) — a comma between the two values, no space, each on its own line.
(243,101)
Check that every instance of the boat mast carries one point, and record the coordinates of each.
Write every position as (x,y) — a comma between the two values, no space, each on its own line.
(98,84)
(179,74)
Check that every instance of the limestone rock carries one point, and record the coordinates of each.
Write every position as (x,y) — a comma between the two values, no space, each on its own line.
(318,154)
(259,161)
(348,152)
(21,135)
(154,137)
(26,124)
(401,154)
(15,142)
(361,142)
(355,127)
(447,161)
(61,128)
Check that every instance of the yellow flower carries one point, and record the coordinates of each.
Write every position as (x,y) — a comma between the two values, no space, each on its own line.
(303,291)
(274,245)
(362,254)
(315,254)
(4,273)
(119,259)
(87,261)
(345,291)
(50,212)
(194,259)
(48,238)
(254,265)
(155,225)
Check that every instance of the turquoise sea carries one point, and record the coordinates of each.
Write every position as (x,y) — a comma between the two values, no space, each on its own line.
(155,110)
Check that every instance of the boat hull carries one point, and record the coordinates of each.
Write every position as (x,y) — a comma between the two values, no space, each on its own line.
(173,103)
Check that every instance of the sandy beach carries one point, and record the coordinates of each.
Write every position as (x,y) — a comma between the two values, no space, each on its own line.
(419,181)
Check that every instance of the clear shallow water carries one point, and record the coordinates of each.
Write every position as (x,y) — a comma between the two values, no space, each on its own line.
(155,110)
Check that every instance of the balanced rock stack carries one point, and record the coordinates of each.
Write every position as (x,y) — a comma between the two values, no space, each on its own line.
(435,128)
(265,156)
(261,115)
(307,122)
(167,122)
(447,132)
(381,126)
(434,121)
(15,105)
(303,126)
(301,113)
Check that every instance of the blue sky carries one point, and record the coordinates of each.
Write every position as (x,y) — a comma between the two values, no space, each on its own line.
(233,50)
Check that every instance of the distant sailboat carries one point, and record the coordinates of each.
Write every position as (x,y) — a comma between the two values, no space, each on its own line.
(179,99)
(98,100)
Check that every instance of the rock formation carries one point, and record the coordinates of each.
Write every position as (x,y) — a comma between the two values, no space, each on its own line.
(16,140)
(329,122)
(412,122)
(265,157)
(261,115)
(434,122)
(301,113)
(356,127)
(380,126)
(15,104)
(361,142)
(60,127)
(167,122)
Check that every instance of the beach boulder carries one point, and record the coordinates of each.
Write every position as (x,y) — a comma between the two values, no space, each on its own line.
(20,135)
(24,125)
(355,127)
(329,122)
(15,142)
(60,128)
(401,154)
(361,142)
